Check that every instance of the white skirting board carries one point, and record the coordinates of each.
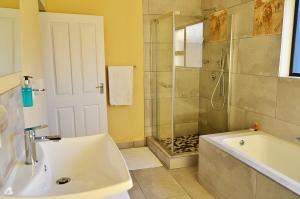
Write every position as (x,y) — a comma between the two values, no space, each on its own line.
(140,158)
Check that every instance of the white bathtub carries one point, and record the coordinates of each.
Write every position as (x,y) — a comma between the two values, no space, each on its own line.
(274,157)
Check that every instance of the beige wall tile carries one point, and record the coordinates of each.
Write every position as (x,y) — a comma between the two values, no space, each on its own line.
(164,111)
(243,19)
(148,131)
(288,100)
(259,61)
(148,113)
(193,7)
(164,84)
(145,6)
(254,93)
(205,84)
(274,126)
(219,4)
(147,57)
(212,55)
(148,29)
(223,175)
(237,119)
(217,118)
(182,129)
(186,110)
(268,189)
(147,85)
(187,83)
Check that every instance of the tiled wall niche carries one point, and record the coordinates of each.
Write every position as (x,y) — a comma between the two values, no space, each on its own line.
(12,146)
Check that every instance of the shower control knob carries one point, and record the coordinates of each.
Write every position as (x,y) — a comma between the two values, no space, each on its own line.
(213,76)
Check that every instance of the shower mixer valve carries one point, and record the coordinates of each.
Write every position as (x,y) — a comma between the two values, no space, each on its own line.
(213,76)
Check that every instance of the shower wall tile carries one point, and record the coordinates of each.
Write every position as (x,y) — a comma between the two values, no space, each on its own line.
(147,28)
(254,93)
(237,119)
(183,129)
(275,191)
(242,19)
(203,109)
(193,7)
(279,128)
(148,113)
(164,84)
(288,100)
(165,130)
(187,110)
(219,4)
(187,83)
(165,59)
(145,6)
(206,84)
(12,146)
(212,55)
(148,131)
(264,60)
(147,85)
(217,118)
(165,111)
(147,57)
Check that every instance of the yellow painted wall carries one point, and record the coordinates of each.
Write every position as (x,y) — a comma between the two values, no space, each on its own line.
(9,3)
(123,25)
(31,52)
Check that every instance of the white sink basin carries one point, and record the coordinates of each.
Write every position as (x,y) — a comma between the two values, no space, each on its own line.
(94,164)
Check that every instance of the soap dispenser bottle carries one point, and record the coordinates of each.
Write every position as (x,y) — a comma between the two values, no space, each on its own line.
(27,92)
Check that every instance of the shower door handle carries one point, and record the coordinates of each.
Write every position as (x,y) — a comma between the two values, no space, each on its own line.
(101,87)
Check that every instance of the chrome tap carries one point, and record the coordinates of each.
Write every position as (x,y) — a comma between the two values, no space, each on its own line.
(30,143)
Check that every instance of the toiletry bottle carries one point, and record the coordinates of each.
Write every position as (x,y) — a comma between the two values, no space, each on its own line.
(27,92)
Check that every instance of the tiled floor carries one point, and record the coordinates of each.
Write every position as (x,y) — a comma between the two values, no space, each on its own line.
(160,183)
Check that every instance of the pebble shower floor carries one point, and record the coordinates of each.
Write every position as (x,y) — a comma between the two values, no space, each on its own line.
(182,144)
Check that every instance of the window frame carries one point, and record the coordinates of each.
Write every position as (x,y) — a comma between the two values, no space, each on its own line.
(296,14)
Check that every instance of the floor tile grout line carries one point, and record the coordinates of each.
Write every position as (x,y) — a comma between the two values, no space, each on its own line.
(138,183)
(186,192)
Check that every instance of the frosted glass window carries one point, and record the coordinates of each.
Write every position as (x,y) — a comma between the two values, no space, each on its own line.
(179,39)
(179,60)
(194,41)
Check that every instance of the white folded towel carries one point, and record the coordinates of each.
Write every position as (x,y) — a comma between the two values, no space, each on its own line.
(120,85)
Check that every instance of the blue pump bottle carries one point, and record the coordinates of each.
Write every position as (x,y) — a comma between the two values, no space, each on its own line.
(27,92)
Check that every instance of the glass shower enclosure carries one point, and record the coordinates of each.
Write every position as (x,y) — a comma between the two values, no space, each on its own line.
(189,78)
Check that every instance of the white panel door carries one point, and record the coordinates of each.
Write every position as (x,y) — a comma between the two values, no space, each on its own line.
(74,69)
(9,41)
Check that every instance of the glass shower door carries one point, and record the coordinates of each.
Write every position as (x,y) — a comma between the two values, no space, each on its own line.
(162,30)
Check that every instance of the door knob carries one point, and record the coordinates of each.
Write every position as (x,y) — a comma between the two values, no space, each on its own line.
(101,87)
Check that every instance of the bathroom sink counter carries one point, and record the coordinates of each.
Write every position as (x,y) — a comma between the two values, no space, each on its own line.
(102,172)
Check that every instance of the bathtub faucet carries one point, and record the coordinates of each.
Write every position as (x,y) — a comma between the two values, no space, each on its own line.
(30,143)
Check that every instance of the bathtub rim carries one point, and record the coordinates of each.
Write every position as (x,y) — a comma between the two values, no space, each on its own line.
(216,140)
